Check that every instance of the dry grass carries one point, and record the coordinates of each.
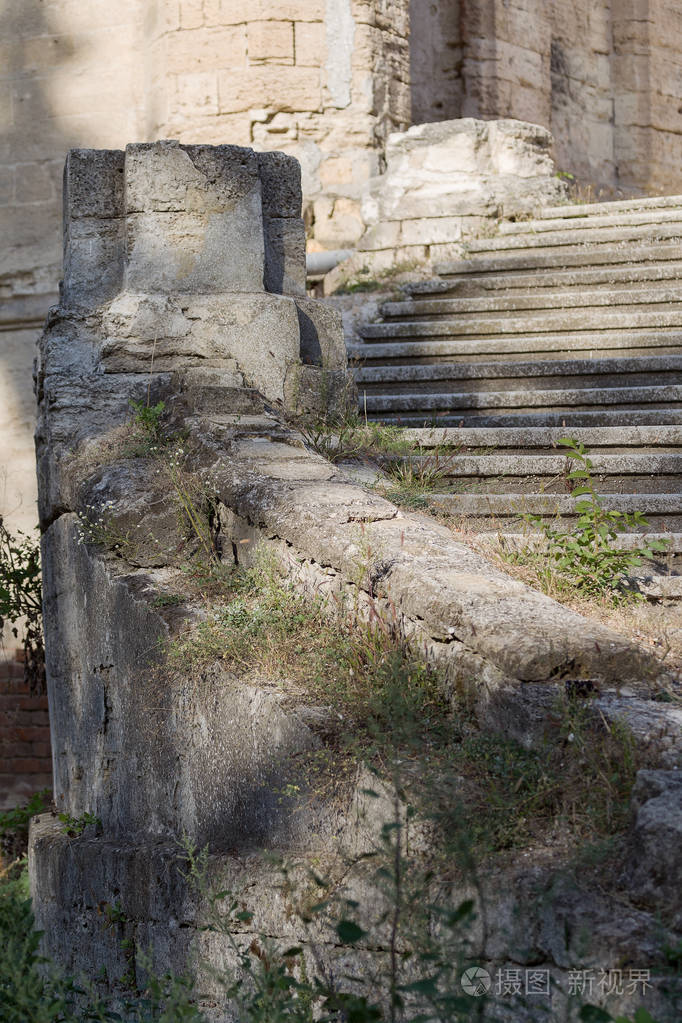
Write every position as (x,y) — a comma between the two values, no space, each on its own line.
(656,625)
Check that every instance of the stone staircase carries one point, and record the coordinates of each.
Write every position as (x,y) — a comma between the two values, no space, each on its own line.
(566,325)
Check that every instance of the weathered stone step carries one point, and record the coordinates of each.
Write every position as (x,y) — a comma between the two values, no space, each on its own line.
(423,384)
(569,320)
(597,209)
(625,541)
(586,256)
(533,374)
(566,421)
(569,238)
(607,219)
(550,346)
(638,464)
(620,397)
(615,439)
(535,299)
(511,505)
(556,486)
(592,279)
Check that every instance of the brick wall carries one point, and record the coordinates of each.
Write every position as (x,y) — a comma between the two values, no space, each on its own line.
(25,760)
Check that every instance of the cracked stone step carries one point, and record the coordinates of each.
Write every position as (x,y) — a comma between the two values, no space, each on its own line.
(568,320)
(616,438)
(591,278)
(623,219)
(550,346)
(550,399)
(617,371)
(550,464)
(585,256)
(569,238)
(566,421)
(533,299)
(606,208)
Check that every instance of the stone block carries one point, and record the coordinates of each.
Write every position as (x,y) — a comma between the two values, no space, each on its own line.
(285,271)
(233,12)
(270,42)
(191,13)
(94,233)
(206,49)
(431,230)
(296,89)
(260,332)
(93,183)
(280,176)
(309,43)
(321,328)
(194,94)
(462,167)
(194,218)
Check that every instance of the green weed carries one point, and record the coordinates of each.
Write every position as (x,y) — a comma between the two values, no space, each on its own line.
(588,556)
(21,603)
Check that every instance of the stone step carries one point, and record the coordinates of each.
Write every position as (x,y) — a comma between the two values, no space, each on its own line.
(636,343)
(541,322)
(556,486)
(625,541)
(572,256)
(533,374)
(607,219)
(590,279)
(608,439)
(565,421)
(513,505)
(597,209)
(643,465)
(592,236)
(534,299)
(555,398)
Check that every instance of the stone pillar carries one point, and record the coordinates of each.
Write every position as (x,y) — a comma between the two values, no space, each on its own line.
(184,278)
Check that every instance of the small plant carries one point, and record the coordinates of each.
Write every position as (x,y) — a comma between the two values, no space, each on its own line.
(342,438)
(588,555)
(75,826)
(417,475)
(96,526)
(148,417)
(21,602)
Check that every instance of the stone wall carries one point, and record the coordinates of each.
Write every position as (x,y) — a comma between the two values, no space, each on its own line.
(603,78)
(324,81)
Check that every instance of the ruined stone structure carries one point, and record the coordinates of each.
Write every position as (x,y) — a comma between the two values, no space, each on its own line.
(154,303)
(330,82)
(325,80)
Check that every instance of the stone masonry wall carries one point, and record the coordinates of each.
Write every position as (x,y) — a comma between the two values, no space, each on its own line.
(324,81)
(603,78)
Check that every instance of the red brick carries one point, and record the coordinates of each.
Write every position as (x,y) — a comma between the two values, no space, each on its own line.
(25,733)
(22,765)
